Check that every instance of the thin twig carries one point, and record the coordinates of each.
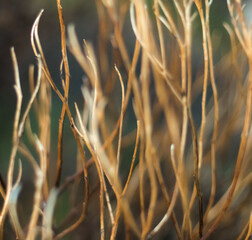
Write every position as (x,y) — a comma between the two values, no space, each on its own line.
(133,158)
(66,91)
(216,110)
(15,140)
(121,123)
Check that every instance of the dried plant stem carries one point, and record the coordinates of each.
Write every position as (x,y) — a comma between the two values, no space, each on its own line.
(196,172)
(188,41)
(149,146)
(204,93)
(166,195)
(15,140)
(198,147)
(37,196)
(73,226)
(60,143)
(243,232)
(17,133)
(249,227)
(66,91)
(133,158)
(186,220)
(121,123)
(141,182)
(167,214)
(115,225)
(216,111)
(203,120)
(37,49)
(31,85)
(160,34)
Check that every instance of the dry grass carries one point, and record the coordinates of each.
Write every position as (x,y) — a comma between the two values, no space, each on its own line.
(174,183)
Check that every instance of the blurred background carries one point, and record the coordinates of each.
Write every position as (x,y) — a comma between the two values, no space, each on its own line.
(16,19)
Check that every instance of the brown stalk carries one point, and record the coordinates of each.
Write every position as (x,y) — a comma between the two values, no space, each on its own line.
(188,40)
(37,49)
(198,147)
(133,158)
(196,172)
(203,103)
(42,111)
(160,34)
(185,77)
(15,140)
(149,146)
(13,205)
(165,193)
(118,210)
(167,214)
(66,91)
(121,123)
(39,180)
(216,111)
(243,232)
(247,228)
(141,182)
(116,222)
(31,85)
(39,172)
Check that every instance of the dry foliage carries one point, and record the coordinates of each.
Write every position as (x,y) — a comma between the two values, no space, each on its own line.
(174,183)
